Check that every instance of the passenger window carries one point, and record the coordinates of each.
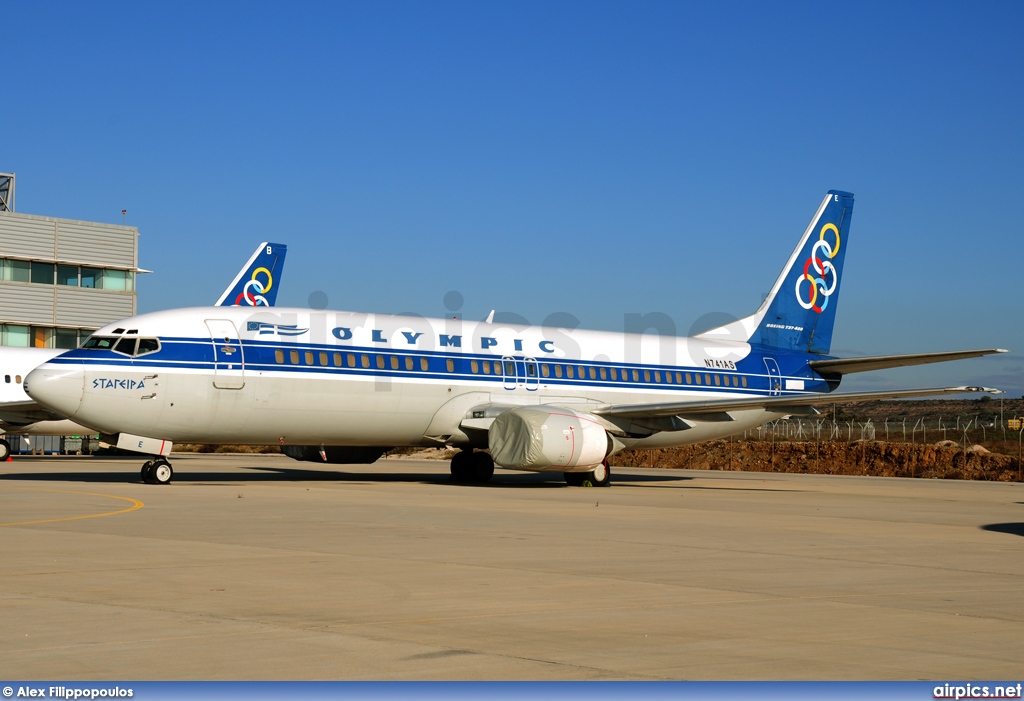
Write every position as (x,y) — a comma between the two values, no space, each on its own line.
(657,376)
(474,366)
(424,364)
(510,368)
(604,373)
(698,378)
(735,381)
(294,357)
(743,380)
(582,372)
(545,370)
(350,359)
(647,375)
(394,362)
(364,360)
(337,360)
(17,378)
(668,377)
(707,379)
(279,356)
(615,374)
(636,376)
(679,378)
(531,369)
(497,367)
(408,362)
(593,373)
(380,362)
(450,364)
(323,359)
(487,367)
(570,371)
(718,380)
(558,371)
(309,357)
(7,379)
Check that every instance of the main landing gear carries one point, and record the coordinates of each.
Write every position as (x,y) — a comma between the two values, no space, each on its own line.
(5,450)
(600,477)
(469,467)
(157,471)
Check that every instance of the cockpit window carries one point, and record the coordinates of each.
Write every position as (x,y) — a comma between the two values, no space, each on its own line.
(127,345)
(147,345)
(100,342)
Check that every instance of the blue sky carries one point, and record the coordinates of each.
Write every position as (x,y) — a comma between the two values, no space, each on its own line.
(593,158)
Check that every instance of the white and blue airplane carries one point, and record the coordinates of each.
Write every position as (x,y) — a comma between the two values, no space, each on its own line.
(256,284)
(343,387)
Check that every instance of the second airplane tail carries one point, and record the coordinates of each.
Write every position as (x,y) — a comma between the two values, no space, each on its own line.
(258,282)
(799,312)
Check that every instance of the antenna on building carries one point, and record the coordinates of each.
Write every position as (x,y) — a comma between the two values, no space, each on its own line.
(6,192)
(123,212)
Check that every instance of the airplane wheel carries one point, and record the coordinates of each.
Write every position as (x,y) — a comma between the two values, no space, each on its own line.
(482,467)
(574,479)
(462,466)
(147,472)
(162,472)
(5,449)
(601,476)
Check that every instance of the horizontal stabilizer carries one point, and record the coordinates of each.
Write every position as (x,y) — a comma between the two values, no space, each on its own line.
(845,366)
(781,405)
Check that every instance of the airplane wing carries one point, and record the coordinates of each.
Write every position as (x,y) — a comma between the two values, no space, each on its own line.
(716,408)
(13,414)
(845,366)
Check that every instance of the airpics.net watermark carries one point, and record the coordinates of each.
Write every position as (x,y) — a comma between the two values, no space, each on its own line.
(968,690)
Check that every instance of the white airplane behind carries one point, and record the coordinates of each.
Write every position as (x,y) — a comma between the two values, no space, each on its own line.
(256,284)
(344,386)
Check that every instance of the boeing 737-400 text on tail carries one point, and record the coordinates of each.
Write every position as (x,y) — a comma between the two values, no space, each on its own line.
(344,387)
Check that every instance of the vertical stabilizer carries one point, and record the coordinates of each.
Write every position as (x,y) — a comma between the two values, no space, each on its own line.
(258,282)
(800,311)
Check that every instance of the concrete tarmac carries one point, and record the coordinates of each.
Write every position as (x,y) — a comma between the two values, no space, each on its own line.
(259,567)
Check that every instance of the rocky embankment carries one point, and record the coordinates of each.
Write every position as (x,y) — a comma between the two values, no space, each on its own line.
(945,460)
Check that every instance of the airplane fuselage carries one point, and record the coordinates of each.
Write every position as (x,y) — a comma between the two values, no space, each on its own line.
(297,377)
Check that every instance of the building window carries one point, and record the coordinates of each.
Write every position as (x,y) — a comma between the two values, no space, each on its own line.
(91,277)
(120,280)
(65,338)
(42,273)
(16,271)
(67,275)
(19,336)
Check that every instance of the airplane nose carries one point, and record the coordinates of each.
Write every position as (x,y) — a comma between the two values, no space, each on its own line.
(57,387)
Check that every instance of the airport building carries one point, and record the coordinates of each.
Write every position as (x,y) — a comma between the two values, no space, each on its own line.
(61,279)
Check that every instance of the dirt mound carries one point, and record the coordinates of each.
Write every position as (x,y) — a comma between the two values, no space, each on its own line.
(871,458)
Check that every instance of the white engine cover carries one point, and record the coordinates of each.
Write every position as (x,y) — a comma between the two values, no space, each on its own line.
(547,439)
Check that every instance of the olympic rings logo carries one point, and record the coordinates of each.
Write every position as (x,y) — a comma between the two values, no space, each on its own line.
(256,300)
(819,290)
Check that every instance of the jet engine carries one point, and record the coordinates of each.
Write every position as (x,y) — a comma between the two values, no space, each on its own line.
(548,439)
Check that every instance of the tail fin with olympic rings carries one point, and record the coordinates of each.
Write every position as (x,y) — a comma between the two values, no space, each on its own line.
(800,311)
(258,282)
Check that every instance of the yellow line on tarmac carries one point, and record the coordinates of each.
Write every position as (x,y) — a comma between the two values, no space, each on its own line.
(136,505)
